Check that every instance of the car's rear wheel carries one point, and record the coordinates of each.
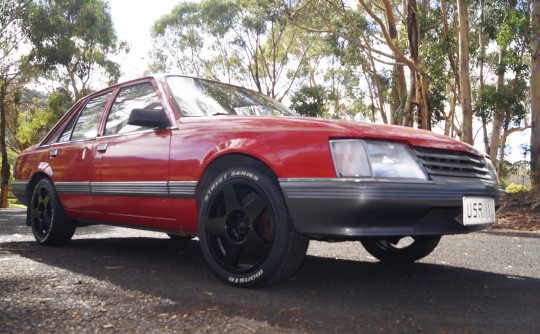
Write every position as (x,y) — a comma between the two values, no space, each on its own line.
(245,232)
(401,249)
(50,224)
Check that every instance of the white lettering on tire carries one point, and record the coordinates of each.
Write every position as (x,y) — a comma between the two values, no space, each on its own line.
(224,177)
(240,280)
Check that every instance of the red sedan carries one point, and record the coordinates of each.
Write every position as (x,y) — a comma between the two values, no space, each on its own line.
(193,157)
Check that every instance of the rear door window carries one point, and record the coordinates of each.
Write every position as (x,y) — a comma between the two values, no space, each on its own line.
(87,123)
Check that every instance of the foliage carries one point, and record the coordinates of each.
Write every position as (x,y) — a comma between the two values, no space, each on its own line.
(329,58)
(245,42)
(38,119)
(513,188)
(72,40)
(535,96)
(68,41)
(310,101)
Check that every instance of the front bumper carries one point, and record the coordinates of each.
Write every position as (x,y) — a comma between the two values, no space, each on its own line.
(352,209)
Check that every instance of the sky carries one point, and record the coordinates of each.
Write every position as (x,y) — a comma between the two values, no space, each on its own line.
(133,21)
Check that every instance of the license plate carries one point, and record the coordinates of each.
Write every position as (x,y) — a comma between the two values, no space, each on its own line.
(478,210)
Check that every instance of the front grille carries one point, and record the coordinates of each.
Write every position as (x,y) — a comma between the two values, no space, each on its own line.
(452,164)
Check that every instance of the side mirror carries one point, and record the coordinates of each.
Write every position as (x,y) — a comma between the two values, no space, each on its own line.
(149,118)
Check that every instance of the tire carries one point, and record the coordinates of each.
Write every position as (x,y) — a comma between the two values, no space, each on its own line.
(392,250)
(245,233)
(50,224)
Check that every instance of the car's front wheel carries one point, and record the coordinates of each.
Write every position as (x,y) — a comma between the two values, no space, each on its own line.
(245,232)
(401,249)
(50,224)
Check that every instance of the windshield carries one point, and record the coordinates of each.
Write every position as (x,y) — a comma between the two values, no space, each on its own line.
(199,97)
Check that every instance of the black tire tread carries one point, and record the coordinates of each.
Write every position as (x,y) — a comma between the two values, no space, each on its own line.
(62,226)
(422,247)
(296,244)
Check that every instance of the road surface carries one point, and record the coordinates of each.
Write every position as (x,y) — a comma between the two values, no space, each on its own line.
(115,280)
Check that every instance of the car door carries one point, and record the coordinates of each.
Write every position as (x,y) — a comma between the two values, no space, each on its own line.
(70,156)
(131,163)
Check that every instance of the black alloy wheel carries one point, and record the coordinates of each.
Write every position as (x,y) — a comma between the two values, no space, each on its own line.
(246,235)
(50,224)
(401,249)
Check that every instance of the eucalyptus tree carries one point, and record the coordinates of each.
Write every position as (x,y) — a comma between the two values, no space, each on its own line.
(355,48)
(390,37)
(11,61)
(178,41)
(535,96)
(247,42)
(504,72)
(73,42)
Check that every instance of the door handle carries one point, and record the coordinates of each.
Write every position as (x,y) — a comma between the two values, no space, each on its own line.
(53,153)
(102,147)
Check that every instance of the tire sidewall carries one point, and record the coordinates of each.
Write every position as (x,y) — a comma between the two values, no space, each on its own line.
(420,248)
(62,228)
(264,183)
(40,184)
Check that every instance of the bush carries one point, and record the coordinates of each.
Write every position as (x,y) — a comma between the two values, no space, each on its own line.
(516,188)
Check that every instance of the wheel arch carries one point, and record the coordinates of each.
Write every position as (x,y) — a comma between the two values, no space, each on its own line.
(227,161)
(32,184)
(30,191)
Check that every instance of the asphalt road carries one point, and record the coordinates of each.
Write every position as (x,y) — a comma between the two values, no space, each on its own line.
(109,279)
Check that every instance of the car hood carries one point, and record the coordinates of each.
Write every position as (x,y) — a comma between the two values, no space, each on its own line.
(331,129)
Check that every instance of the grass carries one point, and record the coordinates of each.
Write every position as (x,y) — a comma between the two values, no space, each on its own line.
(14,204)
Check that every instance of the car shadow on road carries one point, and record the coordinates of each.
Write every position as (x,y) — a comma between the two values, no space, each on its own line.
(326,295)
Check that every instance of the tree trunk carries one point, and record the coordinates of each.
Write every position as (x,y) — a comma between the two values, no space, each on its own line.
(500,162)
(408,117)
(424,112)
(5,170)
(449,122)
(421,82)
(535,97)
(399,90)
(497,118)
(481,58)
(465,82)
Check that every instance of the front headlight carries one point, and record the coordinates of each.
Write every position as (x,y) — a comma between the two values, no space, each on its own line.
(360,158)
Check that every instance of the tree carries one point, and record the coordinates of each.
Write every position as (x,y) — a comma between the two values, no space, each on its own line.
(11,60)
(465,82)
(309,101)
(247,42)
(178,41)
(37,115)
(535,97)
(73,41)
(372,28)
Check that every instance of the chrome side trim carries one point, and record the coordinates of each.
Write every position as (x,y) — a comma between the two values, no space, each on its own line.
(182,189)
(19,190)
(19,186)
(79,188)
(173,189)
(152,189)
